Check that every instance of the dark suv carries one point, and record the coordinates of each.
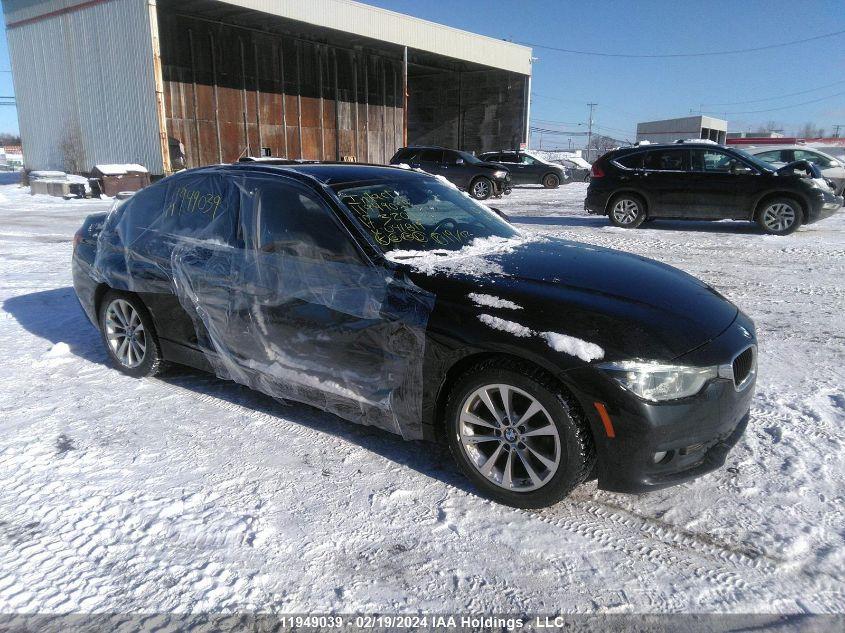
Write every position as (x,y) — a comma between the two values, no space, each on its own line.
(526,169)
(705,181)
(480,179)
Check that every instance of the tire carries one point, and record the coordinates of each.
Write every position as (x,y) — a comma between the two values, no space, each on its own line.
(564,441)
(481,188)
(779,216)
(626,210)
(141,355)
(551,181)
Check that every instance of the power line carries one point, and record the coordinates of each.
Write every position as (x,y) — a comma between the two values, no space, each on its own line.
(786,107)
(674,55)
(790,94)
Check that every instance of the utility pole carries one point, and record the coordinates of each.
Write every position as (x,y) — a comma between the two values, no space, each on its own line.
(590,129)
(836,129)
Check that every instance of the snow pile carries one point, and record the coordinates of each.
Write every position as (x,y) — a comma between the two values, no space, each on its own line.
(489,301)
(574,346)
(47,175)
(474,259)
(505,326)
(57,351)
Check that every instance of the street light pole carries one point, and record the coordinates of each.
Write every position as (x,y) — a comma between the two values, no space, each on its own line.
(590,129)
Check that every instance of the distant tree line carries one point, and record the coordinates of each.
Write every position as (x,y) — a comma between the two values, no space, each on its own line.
(9,139)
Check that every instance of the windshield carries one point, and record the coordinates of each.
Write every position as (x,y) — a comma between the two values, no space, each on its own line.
(469,158)
(421,214)
(757,162)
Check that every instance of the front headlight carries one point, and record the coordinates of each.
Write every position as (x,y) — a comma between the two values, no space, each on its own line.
(657,381)
(500,174)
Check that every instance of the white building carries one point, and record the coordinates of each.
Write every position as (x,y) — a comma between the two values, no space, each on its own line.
(670,130)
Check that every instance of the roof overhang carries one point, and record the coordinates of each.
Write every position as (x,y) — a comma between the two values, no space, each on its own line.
(374,23)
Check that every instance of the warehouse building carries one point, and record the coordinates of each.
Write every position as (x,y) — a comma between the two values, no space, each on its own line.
(173,83)
(671,130)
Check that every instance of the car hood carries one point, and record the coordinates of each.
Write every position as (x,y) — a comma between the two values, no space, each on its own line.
(633,307)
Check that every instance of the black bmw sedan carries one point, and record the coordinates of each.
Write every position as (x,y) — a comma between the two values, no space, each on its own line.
(390,298)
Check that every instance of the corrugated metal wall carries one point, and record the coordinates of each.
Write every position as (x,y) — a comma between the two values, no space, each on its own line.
(477,110)
(84,78)
(230,91)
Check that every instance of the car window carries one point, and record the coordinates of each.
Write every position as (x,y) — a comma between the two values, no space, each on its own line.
(708,160)
(493,158)
(451,158)
(431,156)
(666,160)
(528,160)
(508,158)
(813,157)
(405,155)
(421,214)
(289,219)
(632,161)
(773,156)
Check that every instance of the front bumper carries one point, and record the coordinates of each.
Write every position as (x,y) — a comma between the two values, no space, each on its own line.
(501,186)
(825,206)
(695,433)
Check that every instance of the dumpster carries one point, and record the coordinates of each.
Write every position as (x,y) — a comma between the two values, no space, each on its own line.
(116,178)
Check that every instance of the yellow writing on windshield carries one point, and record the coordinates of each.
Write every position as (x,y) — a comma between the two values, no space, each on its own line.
(384,214)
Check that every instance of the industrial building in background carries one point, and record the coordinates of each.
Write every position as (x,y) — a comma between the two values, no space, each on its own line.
(689,127)
(182,83)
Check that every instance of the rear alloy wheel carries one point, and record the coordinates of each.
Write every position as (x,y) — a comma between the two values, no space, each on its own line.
(551,181)
(515,437)
(780,216)
(129,336)
(627,211)
(481,188)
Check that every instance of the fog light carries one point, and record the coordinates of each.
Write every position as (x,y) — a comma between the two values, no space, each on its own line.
(658,456)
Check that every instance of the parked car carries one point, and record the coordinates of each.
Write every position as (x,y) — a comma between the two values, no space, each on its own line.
(388,297)
(780,155)
(526,169)
(480,179)
(705,181)
(578,168)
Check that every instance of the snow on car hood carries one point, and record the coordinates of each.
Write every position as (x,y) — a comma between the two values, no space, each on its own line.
(630,305)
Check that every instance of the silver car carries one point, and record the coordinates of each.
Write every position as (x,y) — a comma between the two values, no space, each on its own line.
(778,155)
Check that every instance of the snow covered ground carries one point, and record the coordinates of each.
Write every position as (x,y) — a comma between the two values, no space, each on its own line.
(190,493)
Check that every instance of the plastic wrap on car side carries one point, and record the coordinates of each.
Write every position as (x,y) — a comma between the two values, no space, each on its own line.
(280,299)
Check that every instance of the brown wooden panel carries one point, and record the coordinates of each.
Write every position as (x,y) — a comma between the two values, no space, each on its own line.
(294,148)
(252,89)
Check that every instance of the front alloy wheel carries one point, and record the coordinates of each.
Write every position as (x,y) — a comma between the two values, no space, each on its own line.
(515,435)
(509,437)
(481,189)
(780,217)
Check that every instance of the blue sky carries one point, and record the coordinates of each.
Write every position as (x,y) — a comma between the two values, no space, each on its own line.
(631,90)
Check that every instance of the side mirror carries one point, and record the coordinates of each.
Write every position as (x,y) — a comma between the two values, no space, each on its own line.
(739,169)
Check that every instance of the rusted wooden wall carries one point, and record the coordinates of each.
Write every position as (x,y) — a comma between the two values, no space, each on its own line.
(230,91)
